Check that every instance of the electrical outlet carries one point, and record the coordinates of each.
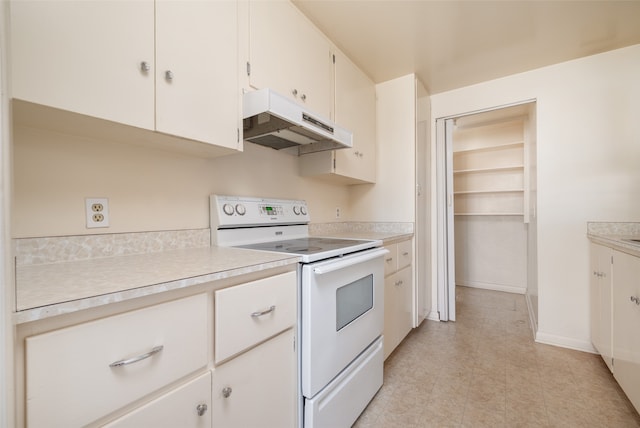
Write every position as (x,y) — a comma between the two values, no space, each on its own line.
(337,212)
(97,212)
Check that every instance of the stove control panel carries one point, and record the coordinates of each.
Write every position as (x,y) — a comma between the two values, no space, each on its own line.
(238,211)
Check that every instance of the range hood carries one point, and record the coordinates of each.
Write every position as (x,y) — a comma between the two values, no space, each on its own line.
(275,121)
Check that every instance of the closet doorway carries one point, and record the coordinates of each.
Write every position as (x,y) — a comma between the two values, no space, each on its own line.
(487,204)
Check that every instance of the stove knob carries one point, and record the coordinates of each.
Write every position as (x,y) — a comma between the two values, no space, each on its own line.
(296,210)
(228,209)
(240,209)
(303,210)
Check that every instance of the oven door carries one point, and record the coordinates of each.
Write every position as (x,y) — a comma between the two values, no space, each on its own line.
(342,313)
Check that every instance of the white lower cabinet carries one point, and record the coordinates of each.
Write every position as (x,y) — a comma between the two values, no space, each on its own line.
(397,309)
(186,406)
(254,378)
(626,322)
(601,302)
(258,387)
(398,295)
(114,361)
(615,315)
(222,358)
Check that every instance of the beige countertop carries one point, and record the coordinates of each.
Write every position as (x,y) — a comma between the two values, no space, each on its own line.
(387,238)
(45,290)
(56,276)
(615,235)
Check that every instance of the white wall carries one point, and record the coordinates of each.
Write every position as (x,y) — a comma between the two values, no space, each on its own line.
(491,252)
(148,189)
(7,330)
(588,157)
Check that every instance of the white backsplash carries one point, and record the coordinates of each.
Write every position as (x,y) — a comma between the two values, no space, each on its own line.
(32,251)
(614,228)
(360,227)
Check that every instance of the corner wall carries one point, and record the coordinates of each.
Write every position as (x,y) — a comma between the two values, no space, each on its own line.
(588,153)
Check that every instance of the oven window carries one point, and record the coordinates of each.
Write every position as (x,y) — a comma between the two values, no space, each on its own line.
(353,300)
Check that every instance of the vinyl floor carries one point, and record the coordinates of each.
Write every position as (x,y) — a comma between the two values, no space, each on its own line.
(485,370)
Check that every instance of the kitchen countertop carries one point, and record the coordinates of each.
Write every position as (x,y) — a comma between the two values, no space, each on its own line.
(387,238)
(614,235)
(45,290)
(56,276)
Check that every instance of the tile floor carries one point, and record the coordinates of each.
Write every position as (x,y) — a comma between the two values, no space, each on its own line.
(485,370)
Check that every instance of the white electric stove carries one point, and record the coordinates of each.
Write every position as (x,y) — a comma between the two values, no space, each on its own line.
(340,303)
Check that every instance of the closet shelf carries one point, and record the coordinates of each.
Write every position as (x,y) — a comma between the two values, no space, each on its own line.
(497,168)
(472,192)
(491,147)
(489,214)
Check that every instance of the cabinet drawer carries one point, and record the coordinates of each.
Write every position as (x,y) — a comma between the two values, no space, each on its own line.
(250,313)
(391,259)
(405,253)
(188,406)
(70,379)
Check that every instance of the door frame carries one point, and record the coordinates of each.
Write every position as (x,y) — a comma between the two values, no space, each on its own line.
(444,207)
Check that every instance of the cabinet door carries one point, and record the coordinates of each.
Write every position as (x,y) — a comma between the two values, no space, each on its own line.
(197,90)
(257,388)
(289,55)
(601,302)
(404,285)
(398,309)
(188,406)
(85,57)
(355,109)
(626,321)
(390,309)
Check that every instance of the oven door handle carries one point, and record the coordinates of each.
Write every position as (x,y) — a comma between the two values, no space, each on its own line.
(331,267)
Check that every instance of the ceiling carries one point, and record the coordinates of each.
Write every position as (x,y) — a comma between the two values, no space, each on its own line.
(450,44)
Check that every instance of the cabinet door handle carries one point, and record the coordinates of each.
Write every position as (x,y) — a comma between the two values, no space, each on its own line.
(406,253)
(226,391)
(398,283)
(144,66)
(168,75)
(201,409)
(303,97)
(141,357)
(635,300)
(389,260)
(294,92)
(265,312)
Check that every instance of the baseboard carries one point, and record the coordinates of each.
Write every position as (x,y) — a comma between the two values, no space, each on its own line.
(565,342)
(491,286)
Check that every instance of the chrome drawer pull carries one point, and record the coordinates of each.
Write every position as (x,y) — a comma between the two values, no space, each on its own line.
(265,312)
(635,300)
(132,360)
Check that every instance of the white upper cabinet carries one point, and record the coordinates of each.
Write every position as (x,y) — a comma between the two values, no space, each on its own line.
(197,89)
(290,55)
(167,66)
(86,57)
(355,110)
